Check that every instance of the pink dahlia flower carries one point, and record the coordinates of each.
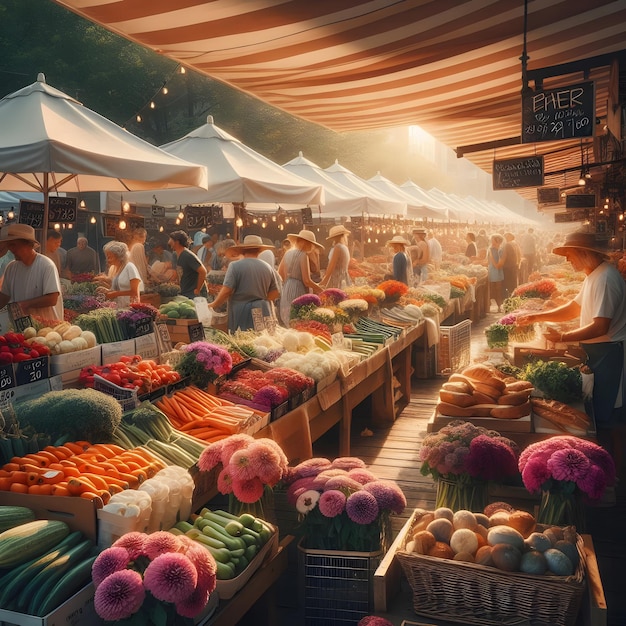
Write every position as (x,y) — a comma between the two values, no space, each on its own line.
(161,542)
(225,481)
(211,456)
(248,491)
(265,462)
(568,464)
(133,542)
(332,503)
(310,467)
(361,507)
(348,462)
(171,577)
(361,475)
(233,443)
(119,595)
(110,560)
(194,603)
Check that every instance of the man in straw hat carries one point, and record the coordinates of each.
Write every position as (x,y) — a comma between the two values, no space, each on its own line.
(420,255)
(336,274)
(295,271)
(401,262)
(601,307)
(32,279)
(249,284)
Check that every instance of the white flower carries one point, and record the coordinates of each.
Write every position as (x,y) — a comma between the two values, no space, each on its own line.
(307,501)
(354,304)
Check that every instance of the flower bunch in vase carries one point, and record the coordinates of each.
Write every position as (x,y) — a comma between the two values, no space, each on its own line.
(341,505)
(568,472)
(204,362)
(158,578)
(250,469)
(463,458)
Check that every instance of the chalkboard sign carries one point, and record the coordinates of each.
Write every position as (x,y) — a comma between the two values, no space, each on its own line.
(61,210)
(163,337)
(562,113)
(197,217)
(307,215)
(111,224)
(578,215)
(31,213)
(580,201)
(31,371)
(196,332)
(217,214)
(157,211)
(515,173)
(7,377)
(151,223)
(548,195)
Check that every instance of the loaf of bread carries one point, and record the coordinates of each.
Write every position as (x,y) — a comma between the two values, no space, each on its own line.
(488,391)
(452,410)
(519,385)
(456,398)
(515,397)
(484,374)
(459,387)
(508,411)
(560,414)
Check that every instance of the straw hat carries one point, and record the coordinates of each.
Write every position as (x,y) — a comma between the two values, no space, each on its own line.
(419,231)
(18,231)
(336,231)
(250,242)
(581,241)
(398,239)
(306,235)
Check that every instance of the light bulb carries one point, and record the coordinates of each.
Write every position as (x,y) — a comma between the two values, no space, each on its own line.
(57,227)
(92,220)
(263,225)
(165,91)
(183,70)
(239,222)
(581,181)
(181,215)
(82,204)
(161,229)
(255,221)
(287,220)
(152,105)
(126,207)
(177,221)
(138,118)
(122,225)
(10,215)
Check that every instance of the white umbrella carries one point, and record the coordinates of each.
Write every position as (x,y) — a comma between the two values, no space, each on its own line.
(378,203)
(236,173)
(415,209)
(51,142)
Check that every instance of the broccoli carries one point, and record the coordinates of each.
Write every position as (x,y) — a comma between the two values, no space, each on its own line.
(72,414)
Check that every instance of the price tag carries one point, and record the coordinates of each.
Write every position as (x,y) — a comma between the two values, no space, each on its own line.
(31,371)
(196,332)
(7,397)
(270,324)
(337,340)
(7,377)
(143,327)
(163,337)
(258,320)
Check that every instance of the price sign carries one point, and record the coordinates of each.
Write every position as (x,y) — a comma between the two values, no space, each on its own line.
(7,377)
(151,223)
(7,397)
(31,213)
(217,215)
(197,217)
(196,332)
(61,210)
(32,371)
(157,211)
(514,173)
(163,337)
(142,327)
(270,324)
(257,319)
(562,113)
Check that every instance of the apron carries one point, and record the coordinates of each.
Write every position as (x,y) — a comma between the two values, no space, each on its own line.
(606,361)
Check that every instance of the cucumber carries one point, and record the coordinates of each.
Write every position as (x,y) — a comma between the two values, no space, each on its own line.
(234,528)
(194,533)
(23,574)
(211,529)
(72,582)
(224,571)
(51,574)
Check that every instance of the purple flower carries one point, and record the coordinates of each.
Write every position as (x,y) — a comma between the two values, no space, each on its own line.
(389,496)
(361,507)
(308,299)
(119,595)
(343,483)
(348,462)
(490,458)
(170,577)
(593,483)
(535,474)
(195,603)
(268,396)
(333,296)
(332,503)
(568,464)
(108,561)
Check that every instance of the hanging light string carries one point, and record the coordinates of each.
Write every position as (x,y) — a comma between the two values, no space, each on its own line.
(151,103)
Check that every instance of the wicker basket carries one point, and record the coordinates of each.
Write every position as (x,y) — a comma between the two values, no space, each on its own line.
(469,593)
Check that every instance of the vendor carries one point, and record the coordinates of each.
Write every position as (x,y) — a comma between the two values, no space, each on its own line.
(249,284)
(601,307)
(126,283)
(401,262)
(191,272)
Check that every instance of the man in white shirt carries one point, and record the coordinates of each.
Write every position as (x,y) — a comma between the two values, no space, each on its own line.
(435,250)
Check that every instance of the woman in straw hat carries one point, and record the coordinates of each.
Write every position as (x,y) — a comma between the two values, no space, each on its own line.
(336,274)
(401,262)
(601,308)
(249,285)
(295,271)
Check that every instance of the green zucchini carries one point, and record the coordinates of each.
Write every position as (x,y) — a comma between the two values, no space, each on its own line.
(12,516)
(72,582)
(22,543)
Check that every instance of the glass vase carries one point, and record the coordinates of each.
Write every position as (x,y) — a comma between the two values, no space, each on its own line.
(462,492)
(562,507)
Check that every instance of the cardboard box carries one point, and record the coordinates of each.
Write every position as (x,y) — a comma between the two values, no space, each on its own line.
(111,352)
(79,610)
(184,330)
(62,363)
(147,347)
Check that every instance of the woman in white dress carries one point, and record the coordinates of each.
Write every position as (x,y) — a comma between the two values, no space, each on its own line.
(336,275)
(126,283)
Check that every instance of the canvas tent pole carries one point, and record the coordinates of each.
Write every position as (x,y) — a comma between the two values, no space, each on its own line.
(44,225)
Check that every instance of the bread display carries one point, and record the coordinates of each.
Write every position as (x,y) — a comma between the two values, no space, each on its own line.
(560,415)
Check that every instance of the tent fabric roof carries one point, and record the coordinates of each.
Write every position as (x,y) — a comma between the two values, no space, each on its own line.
(451,66)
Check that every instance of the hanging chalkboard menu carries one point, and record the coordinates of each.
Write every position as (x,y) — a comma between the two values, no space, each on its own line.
(157,211)
(111,224)
(580,200)
(307,215)
(520,172)
(217,214)
(578,215)
(31,213)
(548,195)
(555,114)
(197,217)
(61,210)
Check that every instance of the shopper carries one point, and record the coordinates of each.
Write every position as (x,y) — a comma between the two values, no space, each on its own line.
(249,285)
(510,257)
(336,274)
(137,251)
(495,271)
(191,272)
(295,271)
(401,262)
(31,279)
(471,251)
(125,281)
(435,251)
(528,246)
(81,259)
(54,240)
(420,255)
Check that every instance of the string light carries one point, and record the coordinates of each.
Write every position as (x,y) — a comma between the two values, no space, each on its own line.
(238,222)
(165,91)
(92,220)
(122,225)
(183,70)
(82,204)
(181,216)
(152,105)
(57,227)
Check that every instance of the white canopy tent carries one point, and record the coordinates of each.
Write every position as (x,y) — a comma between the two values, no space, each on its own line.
(421,196)
(236,174)
(415,209)
(52,143)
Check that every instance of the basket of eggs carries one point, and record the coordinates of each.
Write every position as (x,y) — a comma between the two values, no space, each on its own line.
(493,568)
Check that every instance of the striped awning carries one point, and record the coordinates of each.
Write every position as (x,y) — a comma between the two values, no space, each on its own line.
(450,66)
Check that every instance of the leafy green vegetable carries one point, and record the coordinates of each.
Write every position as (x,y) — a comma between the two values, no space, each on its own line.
(510,370)
(78,414)
(555,379)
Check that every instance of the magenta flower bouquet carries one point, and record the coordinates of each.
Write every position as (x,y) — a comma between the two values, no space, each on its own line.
(159,578)
(251,468)
(203,362)
(463,458)
(342,505)
(567,471)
